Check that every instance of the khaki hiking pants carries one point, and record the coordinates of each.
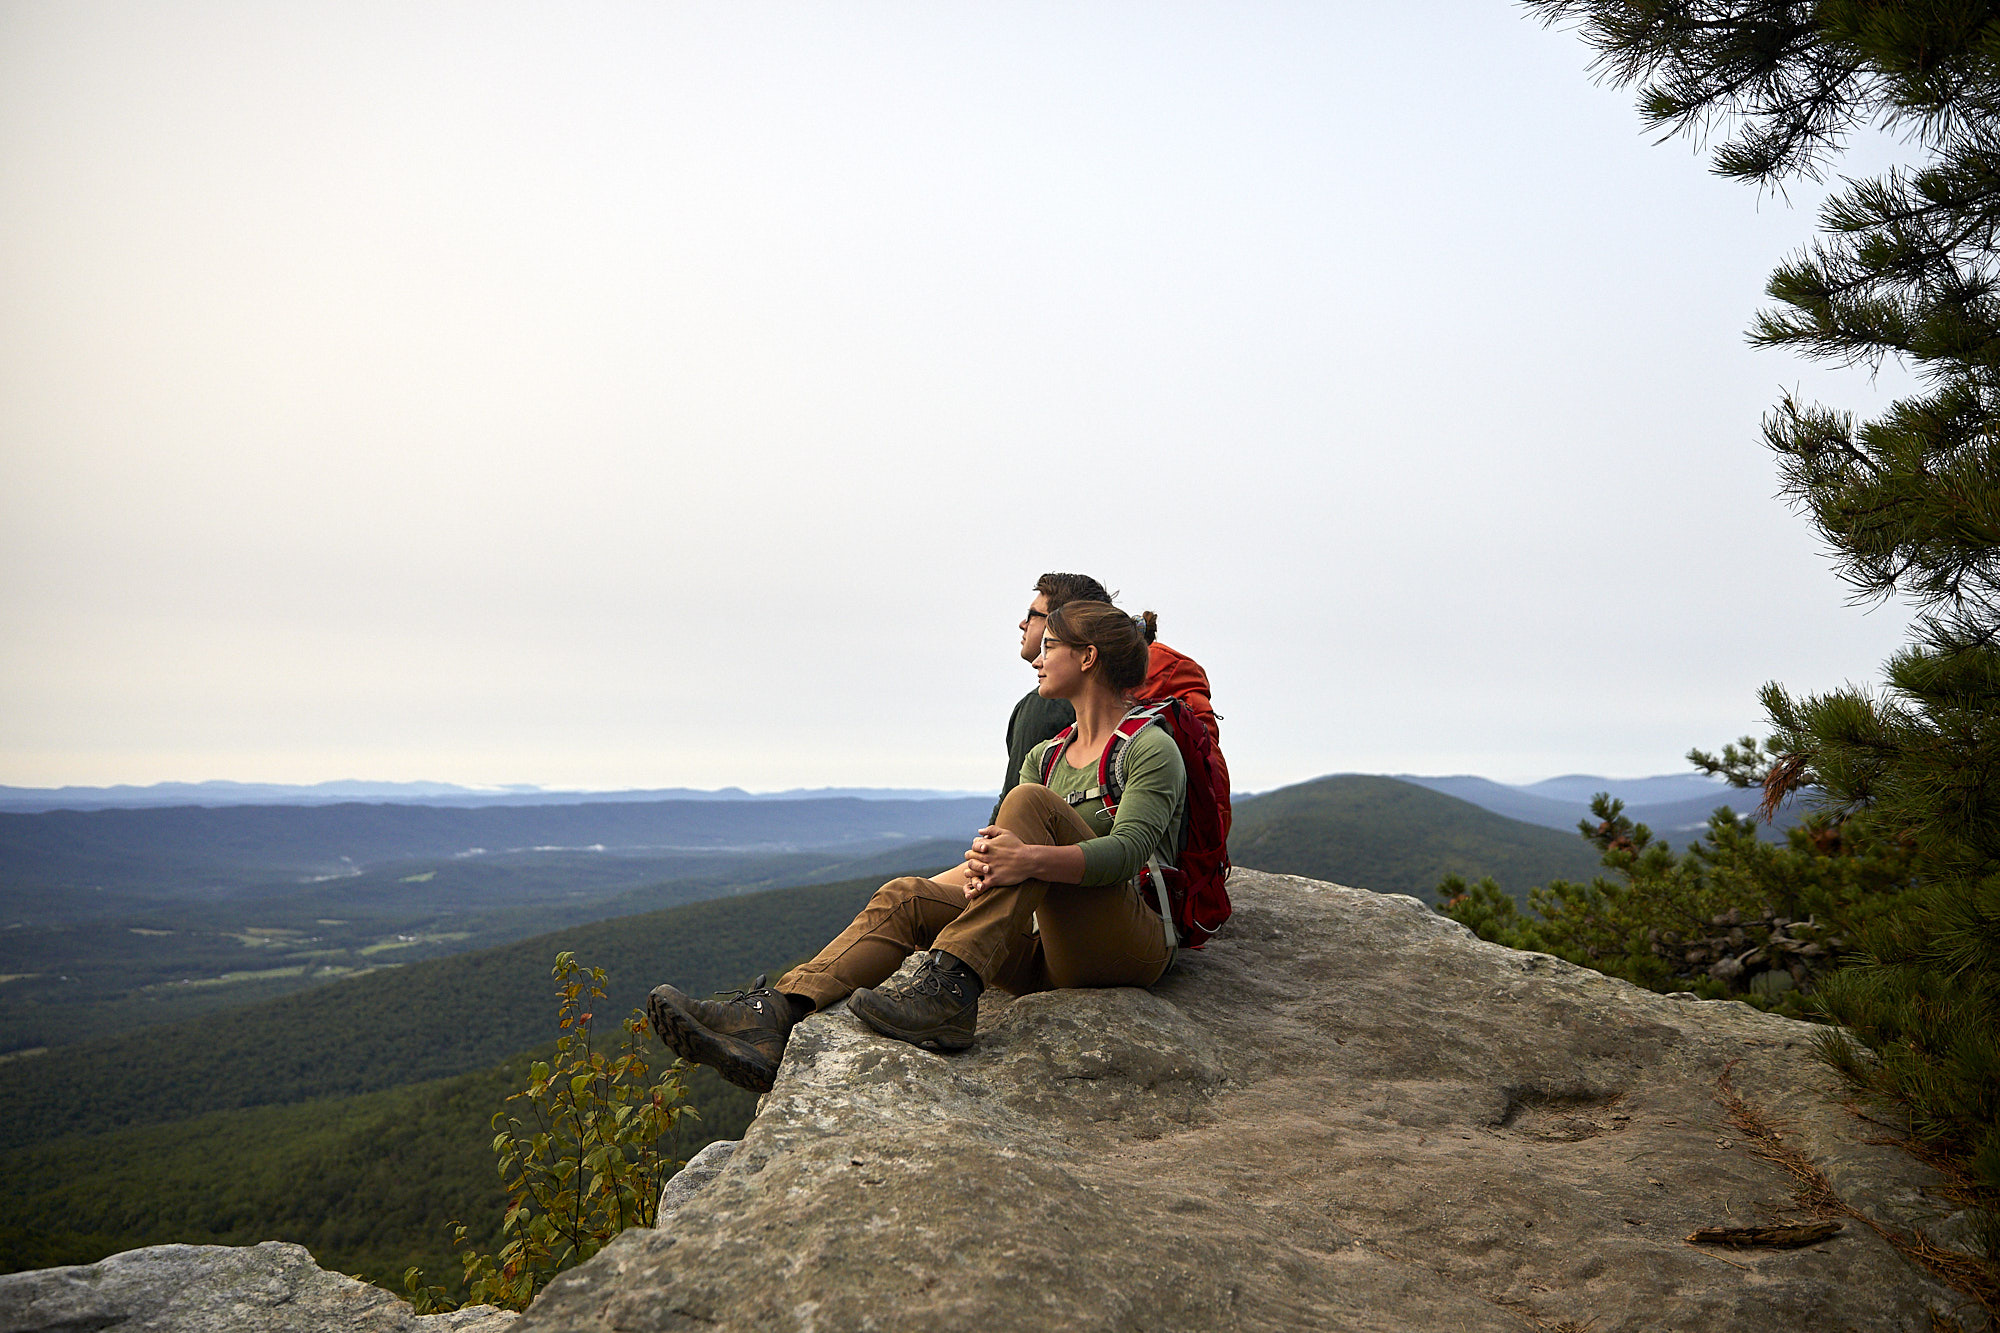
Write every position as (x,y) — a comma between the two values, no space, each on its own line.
(1101,935)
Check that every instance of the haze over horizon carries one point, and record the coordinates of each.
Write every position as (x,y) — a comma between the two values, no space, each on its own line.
(640,396)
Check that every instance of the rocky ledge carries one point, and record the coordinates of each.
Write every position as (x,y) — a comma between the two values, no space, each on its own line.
(1346,1113)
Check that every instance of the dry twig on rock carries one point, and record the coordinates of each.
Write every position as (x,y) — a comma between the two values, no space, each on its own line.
(1776,1238)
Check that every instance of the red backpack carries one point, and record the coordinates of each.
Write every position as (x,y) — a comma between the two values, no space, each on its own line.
(1193,882)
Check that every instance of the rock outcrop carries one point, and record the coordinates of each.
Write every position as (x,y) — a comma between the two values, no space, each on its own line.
(1347,1113)
(693,1177)
(268,1288)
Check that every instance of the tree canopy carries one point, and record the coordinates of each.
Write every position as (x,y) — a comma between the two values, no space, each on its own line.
(1903,269)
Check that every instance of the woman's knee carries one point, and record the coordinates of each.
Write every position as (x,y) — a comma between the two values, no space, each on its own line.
(1035,814)
(1029,803)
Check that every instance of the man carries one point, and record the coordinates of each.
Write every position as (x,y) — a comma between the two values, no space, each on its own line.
(1035,719)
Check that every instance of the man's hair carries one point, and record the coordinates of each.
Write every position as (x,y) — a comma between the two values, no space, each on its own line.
(1061,588)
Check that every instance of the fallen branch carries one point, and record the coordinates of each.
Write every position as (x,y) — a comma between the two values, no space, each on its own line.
(1775,1238)
(1718,1258)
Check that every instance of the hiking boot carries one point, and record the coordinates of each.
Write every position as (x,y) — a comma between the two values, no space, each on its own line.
(937,1009)
(741,1035)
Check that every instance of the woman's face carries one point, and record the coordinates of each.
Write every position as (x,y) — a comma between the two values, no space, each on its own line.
(1060,668)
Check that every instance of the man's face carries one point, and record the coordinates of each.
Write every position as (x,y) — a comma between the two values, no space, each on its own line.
(1032,625)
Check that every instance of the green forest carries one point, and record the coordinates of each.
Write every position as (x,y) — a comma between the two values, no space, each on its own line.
(353,1118)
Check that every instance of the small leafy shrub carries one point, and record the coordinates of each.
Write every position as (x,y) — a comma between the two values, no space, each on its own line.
(1734,916)
(580,1159)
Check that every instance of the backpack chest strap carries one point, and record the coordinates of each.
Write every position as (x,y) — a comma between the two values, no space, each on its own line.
(1110,764)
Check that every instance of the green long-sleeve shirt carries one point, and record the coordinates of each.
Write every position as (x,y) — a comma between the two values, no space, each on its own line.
(1150,810)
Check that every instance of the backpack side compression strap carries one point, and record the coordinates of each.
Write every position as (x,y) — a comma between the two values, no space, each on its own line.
(1111,778)
(1166,908)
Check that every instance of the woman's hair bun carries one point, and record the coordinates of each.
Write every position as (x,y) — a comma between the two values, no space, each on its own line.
(1120,639)
(1149,625)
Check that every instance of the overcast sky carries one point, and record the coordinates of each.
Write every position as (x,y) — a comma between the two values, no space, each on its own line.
(663,394)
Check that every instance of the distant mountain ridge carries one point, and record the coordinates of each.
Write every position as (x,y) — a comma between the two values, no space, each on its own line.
(62,850)
(1672,803)
(1657,790)
(1549,802)
(31,800)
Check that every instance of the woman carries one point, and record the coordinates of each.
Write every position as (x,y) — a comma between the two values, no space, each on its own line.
(1047,896)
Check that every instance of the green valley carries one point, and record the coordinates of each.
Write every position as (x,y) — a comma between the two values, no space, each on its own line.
(67,978)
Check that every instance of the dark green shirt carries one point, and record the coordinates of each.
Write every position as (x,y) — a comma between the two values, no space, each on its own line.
(1033,721)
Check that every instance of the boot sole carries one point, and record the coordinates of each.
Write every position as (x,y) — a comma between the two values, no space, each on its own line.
(930,1039)
(737,1061)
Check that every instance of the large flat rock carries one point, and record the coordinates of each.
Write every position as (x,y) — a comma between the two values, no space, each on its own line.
(1346,1113)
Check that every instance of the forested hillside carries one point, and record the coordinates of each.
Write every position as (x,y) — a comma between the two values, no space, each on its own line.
(1394,837)
(352,1118)
(368,1183)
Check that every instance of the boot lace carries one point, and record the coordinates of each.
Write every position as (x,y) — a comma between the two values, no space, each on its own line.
(930,979)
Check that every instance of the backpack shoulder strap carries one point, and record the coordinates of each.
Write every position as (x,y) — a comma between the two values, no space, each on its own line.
(1111,765)
(1055,751)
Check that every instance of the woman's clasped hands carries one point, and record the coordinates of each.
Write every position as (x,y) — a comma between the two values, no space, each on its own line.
(997,858)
